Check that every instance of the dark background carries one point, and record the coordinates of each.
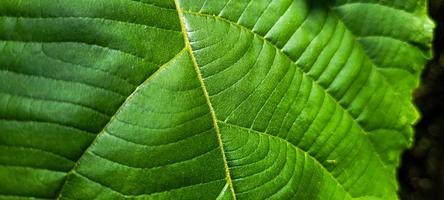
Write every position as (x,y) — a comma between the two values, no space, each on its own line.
(421,173)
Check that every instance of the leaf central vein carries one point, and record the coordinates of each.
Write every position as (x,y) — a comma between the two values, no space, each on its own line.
(207,97)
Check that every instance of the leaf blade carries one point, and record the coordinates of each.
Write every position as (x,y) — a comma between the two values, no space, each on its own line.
(296,76)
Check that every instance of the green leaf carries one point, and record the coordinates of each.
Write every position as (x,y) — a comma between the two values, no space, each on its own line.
(207,99)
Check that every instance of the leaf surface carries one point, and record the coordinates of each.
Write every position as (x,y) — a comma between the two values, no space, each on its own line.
(156,99)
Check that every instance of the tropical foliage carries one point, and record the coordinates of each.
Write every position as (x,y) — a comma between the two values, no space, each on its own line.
(207,99)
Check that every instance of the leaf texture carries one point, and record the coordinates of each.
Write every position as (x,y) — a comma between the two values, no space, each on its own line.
(207,99)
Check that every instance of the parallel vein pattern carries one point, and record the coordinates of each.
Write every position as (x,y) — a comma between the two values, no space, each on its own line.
(207,99)
(297,107)
(161,127)
(63,74)
(256,77)
(399,46)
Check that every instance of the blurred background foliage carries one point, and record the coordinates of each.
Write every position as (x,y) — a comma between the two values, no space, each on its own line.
(421,173)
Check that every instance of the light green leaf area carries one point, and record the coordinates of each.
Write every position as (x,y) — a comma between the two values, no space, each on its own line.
(207,99)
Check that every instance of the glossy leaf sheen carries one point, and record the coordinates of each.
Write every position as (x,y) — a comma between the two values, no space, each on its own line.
(207,99)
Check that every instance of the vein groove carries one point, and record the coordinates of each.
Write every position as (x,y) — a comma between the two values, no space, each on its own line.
(72,171)
(286,142)
(207,97)
(302,71)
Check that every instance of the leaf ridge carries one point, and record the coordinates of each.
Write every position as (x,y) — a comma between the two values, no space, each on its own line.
(418,11)
(140,195)
(61,172)
(290,144)
(370,3)
(82,43)
(207,97)
(346,111)
(92,19)
(72,171)
(155,167)
(38,150)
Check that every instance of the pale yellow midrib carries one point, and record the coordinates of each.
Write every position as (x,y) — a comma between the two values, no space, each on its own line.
(207,97)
